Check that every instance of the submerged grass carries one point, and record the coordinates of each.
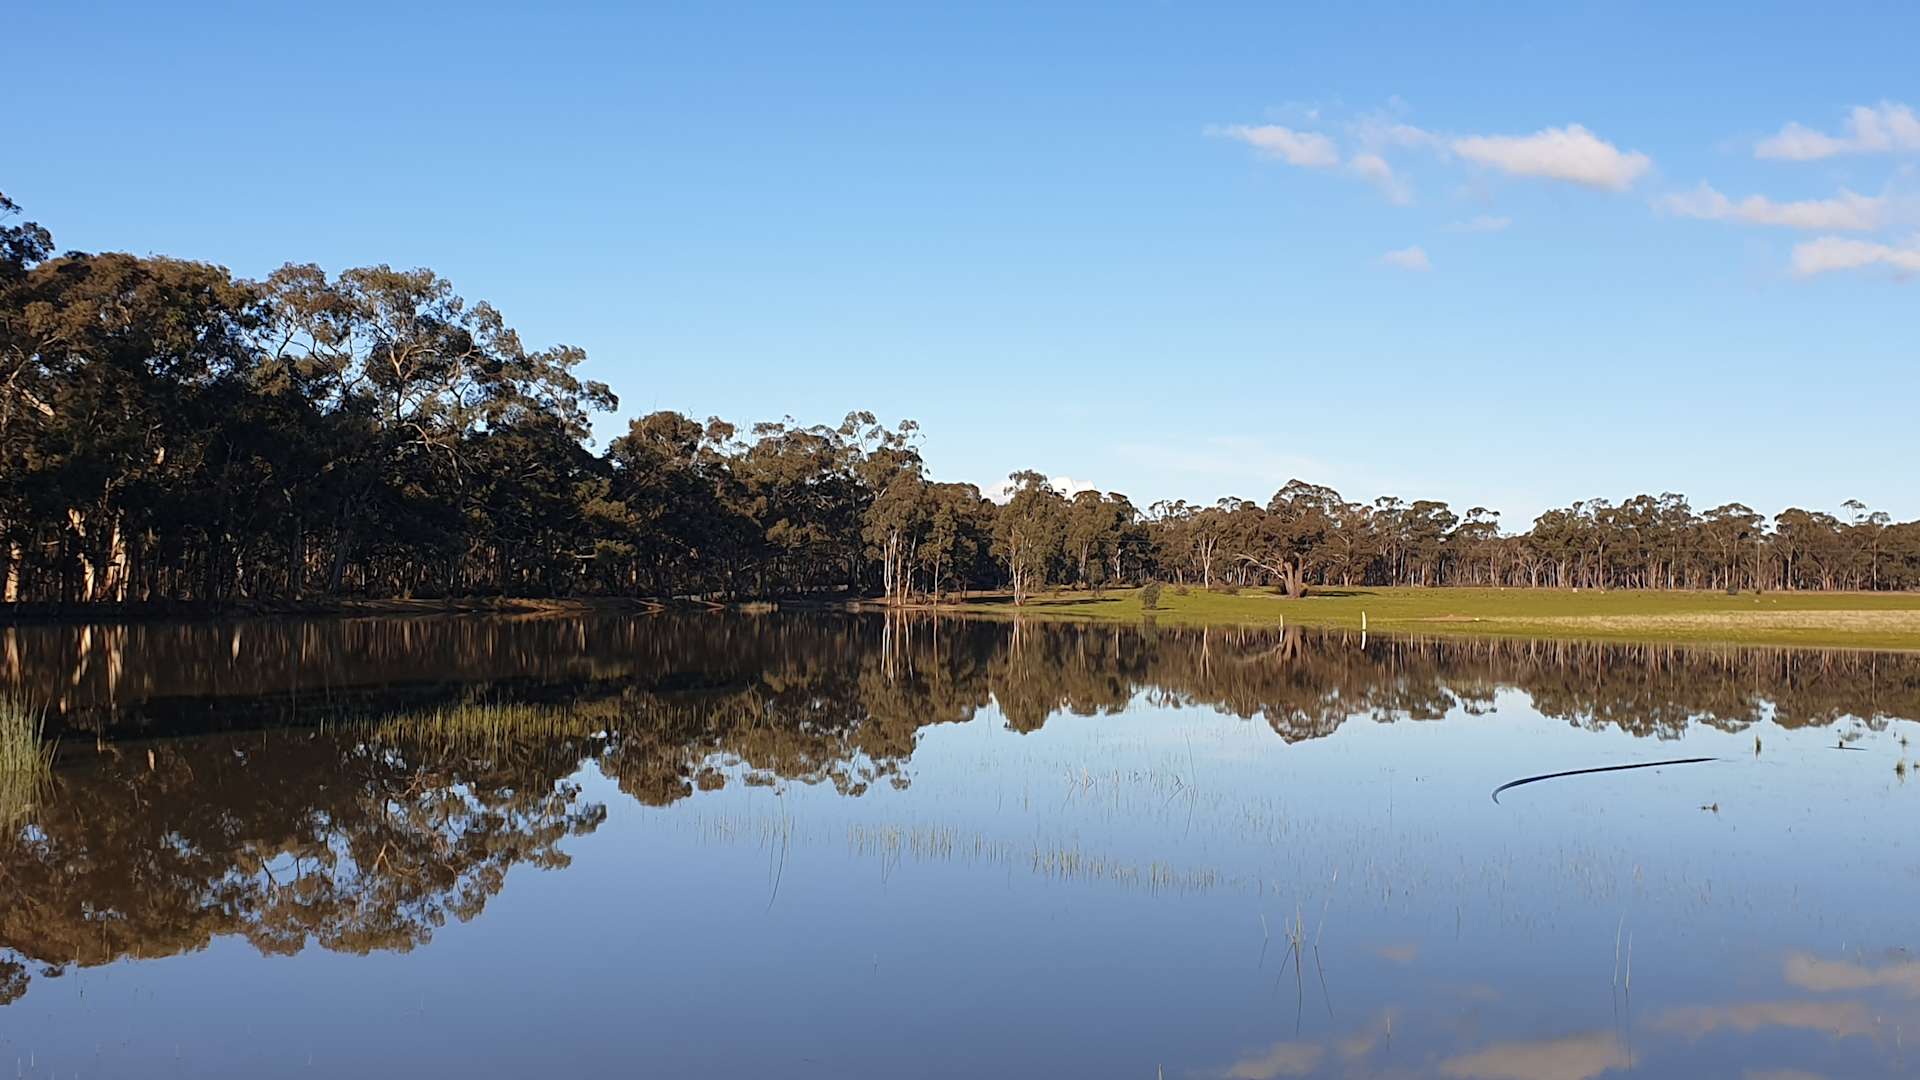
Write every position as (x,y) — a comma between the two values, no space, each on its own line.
(1840,620)
(26,757)
(480,725)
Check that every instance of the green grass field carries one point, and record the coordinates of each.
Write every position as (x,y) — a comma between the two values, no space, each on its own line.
(1846,620)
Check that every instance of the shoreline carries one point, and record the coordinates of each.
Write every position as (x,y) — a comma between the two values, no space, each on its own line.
(1886,622)
(1833,620)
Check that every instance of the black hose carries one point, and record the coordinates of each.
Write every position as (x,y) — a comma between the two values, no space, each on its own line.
(1603,768)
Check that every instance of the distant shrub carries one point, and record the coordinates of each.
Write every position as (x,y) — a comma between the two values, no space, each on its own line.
(1181,589)
(1230,589)
(1150,596)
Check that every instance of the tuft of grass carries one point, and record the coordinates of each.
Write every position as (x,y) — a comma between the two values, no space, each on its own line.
(484,725)
(26,757)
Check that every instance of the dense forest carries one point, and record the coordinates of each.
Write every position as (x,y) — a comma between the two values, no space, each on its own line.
(169,432)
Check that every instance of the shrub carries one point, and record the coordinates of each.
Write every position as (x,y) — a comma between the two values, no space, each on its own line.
(1230,589)
(1180,589)
(1150,596)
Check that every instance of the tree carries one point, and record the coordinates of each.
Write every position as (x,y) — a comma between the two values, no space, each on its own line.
(1293,538)
(1732,530)
(1030,532)
(959,535)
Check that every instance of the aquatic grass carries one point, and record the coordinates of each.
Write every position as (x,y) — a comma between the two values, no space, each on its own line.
(26,757)
(479,725)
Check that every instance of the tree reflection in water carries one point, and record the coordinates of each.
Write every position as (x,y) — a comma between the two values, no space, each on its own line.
(354,784)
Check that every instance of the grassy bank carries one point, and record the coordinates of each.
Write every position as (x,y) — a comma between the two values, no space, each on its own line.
(1845,620)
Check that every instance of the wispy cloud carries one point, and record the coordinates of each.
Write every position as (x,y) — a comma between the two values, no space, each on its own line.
(1371,143)
(1408,258)
(1830,253)
(1280,1059)
(1885,128)
(1846,211)
(1381,132)
(1483,223)
(1809,972)
(1575,1057)
(1307,149)
(1840,1019)
(1571,154)
(1374,170)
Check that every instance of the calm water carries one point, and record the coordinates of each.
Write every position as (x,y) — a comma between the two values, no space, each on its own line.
(847,847)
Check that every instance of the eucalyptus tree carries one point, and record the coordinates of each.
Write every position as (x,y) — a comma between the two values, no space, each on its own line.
(121,370)
(1030,532)
(1867,530)
(896,523)
(1100,528)
(1733,532)
(23,389)
(1475,542)
(1352,544)
(1424,527)
(1299,522)
(1198,536)
(420,372)
(959,537)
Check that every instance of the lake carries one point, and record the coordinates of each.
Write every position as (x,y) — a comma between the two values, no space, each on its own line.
(858,846)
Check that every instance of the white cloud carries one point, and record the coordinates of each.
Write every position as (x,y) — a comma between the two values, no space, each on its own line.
(1847,210)
(1379,131)
(1483,223)
(1869,129)
(1830,253)
(1571,153)
(1374,170)
(1065,485)
(1409,258)
(1308,149)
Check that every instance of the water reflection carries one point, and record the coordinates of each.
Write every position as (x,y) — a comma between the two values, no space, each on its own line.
(890,677)
(347,844)
(1233,837)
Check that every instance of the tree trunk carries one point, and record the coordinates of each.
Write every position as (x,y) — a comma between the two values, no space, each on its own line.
(15,555)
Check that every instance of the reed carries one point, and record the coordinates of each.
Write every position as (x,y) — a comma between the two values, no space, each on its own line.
(26,757)
(479,725)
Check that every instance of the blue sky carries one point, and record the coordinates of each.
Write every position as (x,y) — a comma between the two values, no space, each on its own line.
(1174,250)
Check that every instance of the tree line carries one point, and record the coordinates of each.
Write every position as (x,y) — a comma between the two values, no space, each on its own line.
(169,432)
